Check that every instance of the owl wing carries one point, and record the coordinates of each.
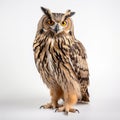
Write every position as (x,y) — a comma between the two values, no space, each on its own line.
(78,61)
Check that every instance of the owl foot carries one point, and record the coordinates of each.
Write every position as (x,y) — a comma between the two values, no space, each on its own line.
(66,110)
(47,106)
(50,106)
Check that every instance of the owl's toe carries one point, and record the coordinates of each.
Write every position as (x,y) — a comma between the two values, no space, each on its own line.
(49,106)
(66,110)
(73,110)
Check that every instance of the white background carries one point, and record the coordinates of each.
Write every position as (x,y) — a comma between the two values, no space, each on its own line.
(97,26)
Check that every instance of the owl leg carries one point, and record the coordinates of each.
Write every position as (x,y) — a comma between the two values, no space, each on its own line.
(55,96)
(70,99)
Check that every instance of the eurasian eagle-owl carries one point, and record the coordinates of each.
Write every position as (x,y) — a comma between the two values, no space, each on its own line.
(61,60)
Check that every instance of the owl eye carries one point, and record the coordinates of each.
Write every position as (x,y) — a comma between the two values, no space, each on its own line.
(64,23)
(50,22)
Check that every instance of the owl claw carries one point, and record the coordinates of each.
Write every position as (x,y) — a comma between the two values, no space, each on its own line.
(56,110)
(47,106)
(66,112)
(76,110)
(42,106)
(50,106)
(62,109)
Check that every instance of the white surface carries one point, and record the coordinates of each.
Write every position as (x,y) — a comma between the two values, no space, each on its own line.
(21,90)
(28,109)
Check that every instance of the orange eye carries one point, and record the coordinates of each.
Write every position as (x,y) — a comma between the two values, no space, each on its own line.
(64,23)
(50,22)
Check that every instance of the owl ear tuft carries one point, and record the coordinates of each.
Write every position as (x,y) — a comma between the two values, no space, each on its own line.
(68,14)
(71,14)
(46,11)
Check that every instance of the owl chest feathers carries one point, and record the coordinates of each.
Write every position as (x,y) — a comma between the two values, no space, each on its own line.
(50,62)
(52,58)
(54,55)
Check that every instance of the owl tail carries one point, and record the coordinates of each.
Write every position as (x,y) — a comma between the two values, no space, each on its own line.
(84,95)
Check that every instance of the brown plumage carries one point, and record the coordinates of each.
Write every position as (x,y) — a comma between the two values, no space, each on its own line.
(61,60)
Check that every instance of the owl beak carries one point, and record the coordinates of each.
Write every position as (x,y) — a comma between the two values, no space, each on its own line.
(56,29)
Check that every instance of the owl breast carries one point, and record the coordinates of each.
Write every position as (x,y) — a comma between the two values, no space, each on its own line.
(53,63)
(52,66)
(48,62)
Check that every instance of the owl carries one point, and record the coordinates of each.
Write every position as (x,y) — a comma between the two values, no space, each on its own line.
(61,61)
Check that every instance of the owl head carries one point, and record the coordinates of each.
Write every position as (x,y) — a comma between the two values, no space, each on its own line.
(56,22)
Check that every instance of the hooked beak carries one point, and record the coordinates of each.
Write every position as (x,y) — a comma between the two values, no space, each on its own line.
(56,28)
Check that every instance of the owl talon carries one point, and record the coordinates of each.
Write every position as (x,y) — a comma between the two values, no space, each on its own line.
(42,106)
(50,106)
(76,110)
(66,112)
(56,110)
(47,106)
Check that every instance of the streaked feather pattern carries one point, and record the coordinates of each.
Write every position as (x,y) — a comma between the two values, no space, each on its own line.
(61,60)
